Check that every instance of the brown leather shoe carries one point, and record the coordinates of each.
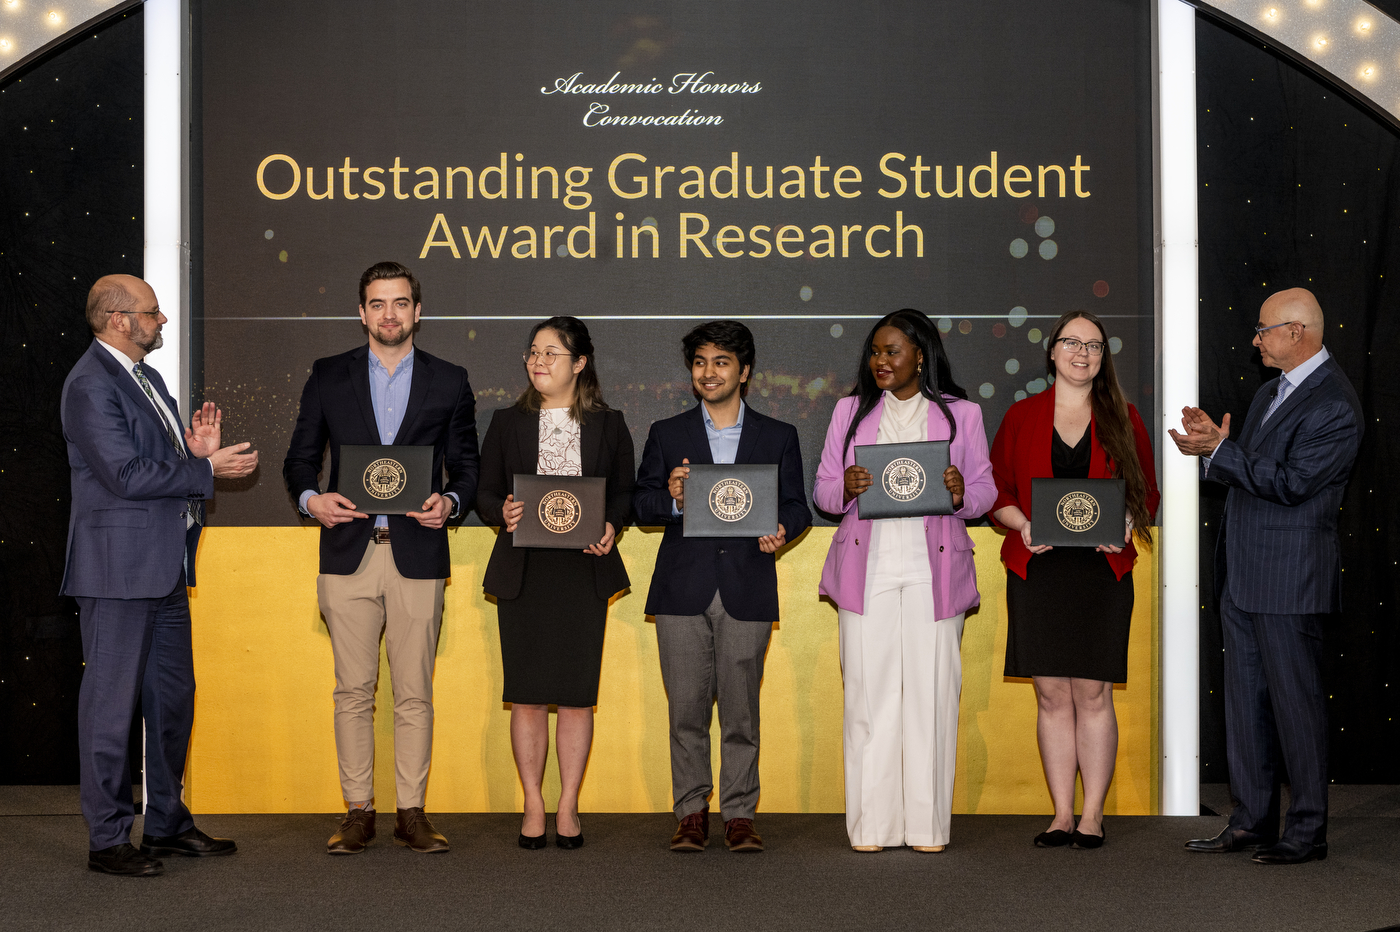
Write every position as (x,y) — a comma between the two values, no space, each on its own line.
(413,830)
(693,834)
(740,836)
(356,831)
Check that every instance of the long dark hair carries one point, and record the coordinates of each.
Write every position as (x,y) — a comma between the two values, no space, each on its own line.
(588,396)
(935,378)
(1112,425)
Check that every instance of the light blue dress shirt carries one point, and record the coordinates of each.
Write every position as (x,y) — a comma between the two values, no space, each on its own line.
(724,441)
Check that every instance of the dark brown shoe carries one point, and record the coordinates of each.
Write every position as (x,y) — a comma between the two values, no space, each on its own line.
(413,830)
(693,834)
(740,836)
(356,831)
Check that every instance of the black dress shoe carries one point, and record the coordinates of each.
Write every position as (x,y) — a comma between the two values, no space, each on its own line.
(1082,840)
(125,860)
(531,842)
(1291,852)
(1056,838)
(191,843)
(1231,839)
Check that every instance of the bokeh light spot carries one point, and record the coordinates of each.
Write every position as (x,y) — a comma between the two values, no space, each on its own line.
(267,234)
(1048,249)
(282,256)
(562,251)
(805,292)
(1100,289)
(1013,366)
(1044,227)
(1017,317)
(1020,396)
(944,325)
(1036,386)
(986,390)
(1033,334)
(1029,213)
(998,329)
(837,330)
(1115,345)
(1019,248)
(964,326)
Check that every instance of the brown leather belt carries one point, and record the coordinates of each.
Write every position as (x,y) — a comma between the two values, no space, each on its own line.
(381,535)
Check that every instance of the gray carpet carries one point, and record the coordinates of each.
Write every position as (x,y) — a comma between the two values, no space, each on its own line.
(991,878)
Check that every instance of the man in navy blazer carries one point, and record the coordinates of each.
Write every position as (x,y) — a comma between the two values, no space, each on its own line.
(1278,576)
(139,481)
(715,599)
(383,576)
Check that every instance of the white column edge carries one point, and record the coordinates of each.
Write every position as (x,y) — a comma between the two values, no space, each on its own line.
(1179,342)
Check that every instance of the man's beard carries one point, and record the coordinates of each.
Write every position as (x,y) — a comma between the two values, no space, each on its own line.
(149,342)
(405,332)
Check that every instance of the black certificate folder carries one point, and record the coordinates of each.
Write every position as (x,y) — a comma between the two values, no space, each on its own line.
(561,512)
(731,500)
(1077,512)
(908,480)
(386,479)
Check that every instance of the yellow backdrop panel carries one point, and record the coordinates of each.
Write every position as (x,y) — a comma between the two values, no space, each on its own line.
(263,739)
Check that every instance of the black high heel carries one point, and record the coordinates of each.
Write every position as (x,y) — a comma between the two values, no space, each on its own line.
(568,842)
(531,842)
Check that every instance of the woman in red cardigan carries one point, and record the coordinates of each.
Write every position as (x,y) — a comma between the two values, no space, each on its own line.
(1069,608)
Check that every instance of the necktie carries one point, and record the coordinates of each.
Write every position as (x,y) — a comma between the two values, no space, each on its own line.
(195,508)
(1283,388)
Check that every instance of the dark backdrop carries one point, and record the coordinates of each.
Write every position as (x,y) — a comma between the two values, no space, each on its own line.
(70,211)
(1298,187)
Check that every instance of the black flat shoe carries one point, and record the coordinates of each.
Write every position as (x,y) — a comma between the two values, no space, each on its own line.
(569,842)
(1086,841)
(1056,838)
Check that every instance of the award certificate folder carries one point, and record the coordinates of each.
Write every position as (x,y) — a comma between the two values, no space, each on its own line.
(561,512)
(383,479)
(1077,512)
(908,480)
(731,500)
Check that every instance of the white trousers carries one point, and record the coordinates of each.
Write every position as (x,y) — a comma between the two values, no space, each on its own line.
(902,670)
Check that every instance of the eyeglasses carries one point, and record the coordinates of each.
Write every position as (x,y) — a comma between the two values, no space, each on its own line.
(1259,331)
(155,313)
(1072,346)
(547,357)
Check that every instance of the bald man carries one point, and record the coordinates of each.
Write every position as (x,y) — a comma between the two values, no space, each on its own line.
(140,479)
(1277,575)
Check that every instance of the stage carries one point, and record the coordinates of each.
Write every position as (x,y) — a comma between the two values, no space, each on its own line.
(990,877)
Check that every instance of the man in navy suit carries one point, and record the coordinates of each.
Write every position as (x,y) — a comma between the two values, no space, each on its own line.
(139,480)
(1278,576)
(383,576)
(715,599)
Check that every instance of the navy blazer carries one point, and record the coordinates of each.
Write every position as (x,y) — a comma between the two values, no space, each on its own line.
(690,569)
(337,408)
(127,537)
(512,447)
(1278,550)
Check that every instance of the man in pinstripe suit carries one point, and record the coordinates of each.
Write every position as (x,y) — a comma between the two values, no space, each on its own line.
(1277,574)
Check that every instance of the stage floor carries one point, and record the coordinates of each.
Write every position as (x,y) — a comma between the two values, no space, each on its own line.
(991,877)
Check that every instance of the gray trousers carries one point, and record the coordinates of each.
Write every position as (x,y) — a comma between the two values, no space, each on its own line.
(704,659)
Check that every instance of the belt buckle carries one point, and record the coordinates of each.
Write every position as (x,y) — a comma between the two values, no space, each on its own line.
(381,535)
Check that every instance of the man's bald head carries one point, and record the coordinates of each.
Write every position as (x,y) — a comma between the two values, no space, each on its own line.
(1285,347)
(112,294)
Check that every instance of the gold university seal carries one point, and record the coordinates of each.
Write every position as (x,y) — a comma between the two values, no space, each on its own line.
(903,479)
(385,478)
(560,511)
(1078,511)
(730,499)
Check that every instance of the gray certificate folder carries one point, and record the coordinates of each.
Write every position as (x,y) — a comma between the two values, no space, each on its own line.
(908,480)
(731,500)
(561,512)
(383,479)
(1077,512)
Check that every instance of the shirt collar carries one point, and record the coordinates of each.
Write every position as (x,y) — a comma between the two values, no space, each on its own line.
(127,362)
(710,424)
(405,365)
(1304,369)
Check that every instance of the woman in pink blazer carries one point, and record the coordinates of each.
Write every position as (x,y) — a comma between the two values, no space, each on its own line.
(901,587)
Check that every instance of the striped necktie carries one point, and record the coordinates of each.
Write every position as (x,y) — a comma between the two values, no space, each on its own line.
(1279,394)
(194,507)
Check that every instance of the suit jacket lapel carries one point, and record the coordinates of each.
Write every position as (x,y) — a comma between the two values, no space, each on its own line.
(359,385)
(590,443)
(127,383)
(1295,398)
(527,439)
(417,392)
(748,436)
(699,439)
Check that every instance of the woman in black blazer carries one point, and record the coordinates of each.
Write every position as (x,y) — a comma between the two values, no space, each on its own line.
(552,604)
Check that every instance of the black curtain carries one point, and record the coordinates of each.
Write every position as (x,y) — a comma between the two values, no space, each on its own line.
(71,190)
(1300,186)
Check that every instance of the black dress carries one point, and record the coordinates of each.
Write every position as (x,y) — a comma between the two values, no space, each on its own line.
(1070,615)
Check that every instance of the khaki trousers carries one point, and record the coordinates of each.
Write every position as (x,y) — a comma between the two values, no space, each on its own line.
(374,602)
